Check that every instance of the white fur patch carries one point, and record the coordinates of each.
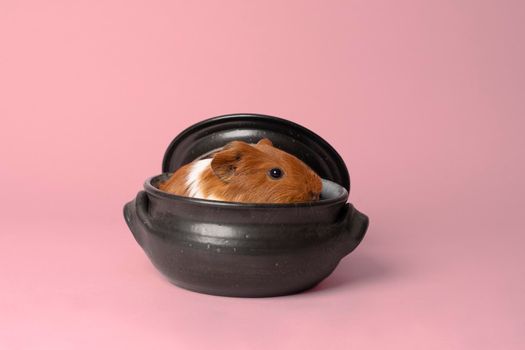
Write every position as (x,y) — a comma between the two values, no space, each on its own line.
(193,180)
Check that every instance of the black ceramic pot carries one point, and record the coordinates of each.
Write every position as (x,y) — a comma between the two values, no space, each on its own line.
(247,250)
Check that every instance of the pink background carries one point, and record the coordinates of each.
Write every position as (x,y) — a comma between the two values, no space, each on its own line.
(423,99)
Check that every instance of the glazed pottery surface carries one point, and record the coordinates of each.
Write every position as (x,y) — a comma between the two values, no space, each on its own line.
(242,249)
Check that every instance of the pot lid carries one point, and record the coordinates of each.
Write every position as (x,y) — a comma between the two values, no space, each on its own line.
(211,134)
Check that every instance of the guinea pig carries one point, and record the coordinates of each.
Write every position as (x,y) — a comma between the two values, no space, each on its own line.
(248,173)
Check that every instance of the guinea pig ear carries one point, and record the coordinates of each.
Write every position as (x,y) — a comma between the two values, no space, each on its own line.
(225,162)
(266,142)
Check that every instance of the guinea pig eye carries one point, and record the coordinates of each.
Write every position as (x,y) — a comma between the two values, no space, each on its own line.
(275,173)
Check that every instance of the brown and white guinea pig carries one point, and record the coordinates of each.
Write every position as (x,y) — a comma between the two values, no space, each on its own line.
(249,173)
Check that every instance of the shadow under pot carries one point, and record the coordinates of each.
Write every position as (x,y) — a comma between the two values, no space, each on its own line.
(240,249)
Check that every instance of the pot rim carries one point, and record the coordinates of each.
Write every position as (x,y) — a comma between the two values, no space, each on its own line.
(151,189)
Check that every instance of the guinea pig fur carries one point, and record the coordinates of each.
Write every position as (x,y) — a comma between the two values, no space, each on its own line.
(249,173)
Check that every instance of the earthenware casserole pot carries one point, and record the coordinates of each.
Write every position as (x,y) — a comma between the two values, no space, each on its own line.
(247,250)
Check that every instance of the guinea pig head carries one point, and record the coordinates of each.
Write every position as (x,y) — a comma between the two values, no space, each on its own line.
(261,173)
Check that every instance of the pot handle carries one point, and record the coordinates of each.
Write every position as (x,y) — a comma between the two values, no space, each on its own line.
(355,226)
(137,218)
